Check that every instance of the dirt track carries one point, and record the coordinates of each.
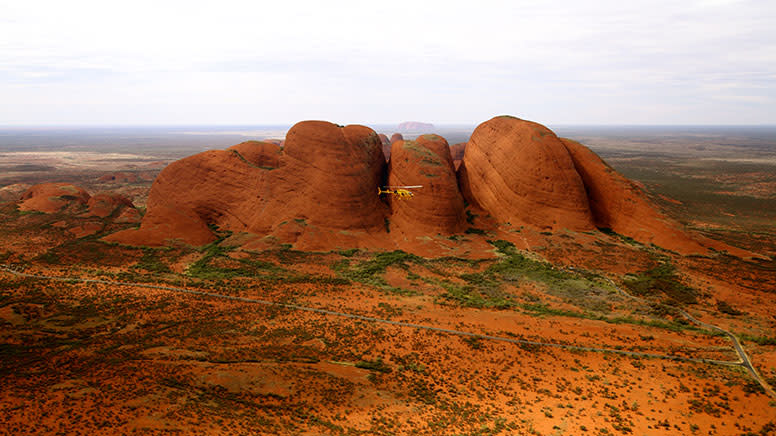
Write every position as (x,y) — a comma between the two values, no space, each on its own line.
(744,361)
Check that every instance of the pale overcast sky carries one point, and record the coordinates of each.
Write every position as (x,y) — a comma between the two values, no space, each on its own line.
(261,62)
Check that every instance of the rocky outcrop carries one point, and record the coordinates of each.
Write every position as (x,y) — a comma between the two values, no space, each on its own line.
(396,137)
(105,204)
(82,214)
(13,192)
(328,177)
(319,191)
(456,152)
(386,143)
(323,182)
(191,194)
(437,207)
(622,206)
(53,197)
(260,154)
(415,127)
(521,173)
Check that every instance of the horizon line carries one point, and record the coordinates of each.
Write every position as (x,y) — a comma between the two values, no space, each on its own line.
(446,124)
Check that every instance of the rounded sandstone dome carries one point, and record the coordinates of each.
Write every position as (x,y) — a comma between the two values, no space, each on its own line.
(438,206)
(521,173)
(53,197)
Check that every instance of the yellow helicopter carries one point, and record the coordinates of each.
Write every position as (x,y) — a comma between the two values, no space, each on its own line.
(401,192)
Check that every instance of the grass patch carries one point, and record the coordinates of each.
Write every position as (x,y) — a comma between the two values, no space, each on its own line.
(151,262)
(204,270)
(759,340)
(374,365)
(371,271)
(486,288)
(583,289)
(626,239)
(662,279)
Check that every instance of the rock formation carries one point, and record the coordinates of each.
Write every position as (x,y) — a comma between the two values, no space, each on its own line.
(193,193)
(12,192)
(437,207)
(328,177)
(319,191)
(53,197)
(260,154)
(386,146)
(620,205)
(456,152)
(521,173)
(415,126)
(105,204)
(82,214)
(396,137)
(324,181)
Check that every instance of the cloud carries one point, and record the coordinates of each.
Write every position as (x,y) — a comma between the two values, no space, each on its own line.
(454,61)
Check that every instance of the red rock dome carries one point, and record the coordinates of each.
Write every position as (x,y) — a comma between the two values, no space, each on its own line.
(620,205)
(105,204)
(521,173)
(438,206)
(328,177)
(323,181)
(53,197)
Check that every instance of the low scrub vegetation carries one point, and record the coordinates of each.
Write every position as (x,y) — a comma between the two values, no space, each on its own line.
(662,279)
(371,271)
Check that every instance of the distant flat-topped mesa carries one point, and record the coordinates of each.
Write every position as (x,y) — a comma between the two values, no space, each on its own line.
(415,127)
(320,191)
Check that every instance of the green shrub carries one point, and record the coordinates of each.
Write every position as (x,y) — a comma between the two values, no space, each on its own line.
(725,307)
(662,279)
(375,365)
(371,271)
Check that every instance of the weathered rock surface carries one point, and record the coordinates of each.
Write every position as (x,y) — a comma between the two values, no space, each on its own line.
(53,197)
(396,137)
(620,205)
(13,192)
(82,214)
(456,152)
(437,207)
(260,154)
(328,178)
(129,215)
(521,173)
(319,192)
(192,193)
(386,146)
(105,204)
(324,182)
